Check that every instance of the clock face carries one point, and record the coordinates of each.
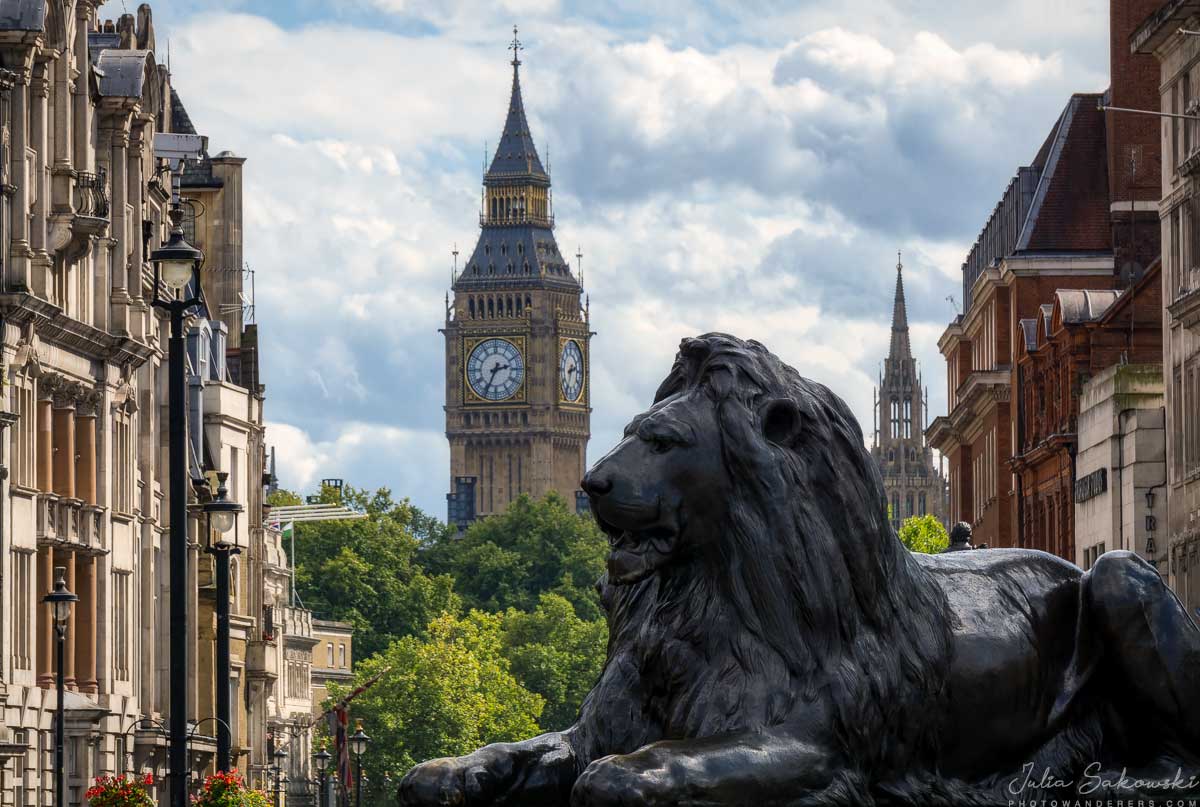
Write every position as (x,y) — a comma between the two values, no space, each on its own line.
(495,369)
(570,371)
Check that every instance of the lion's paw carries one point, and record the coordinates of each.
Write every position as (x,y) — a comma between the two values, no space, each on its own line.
(609,783)
(453,782)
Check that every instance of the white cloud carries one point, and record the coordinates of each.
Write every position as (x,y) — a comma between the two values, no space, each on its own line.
(756,179)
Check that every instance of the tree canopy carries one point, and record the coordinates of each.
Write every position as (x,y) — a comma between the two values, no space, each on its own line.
(924,534)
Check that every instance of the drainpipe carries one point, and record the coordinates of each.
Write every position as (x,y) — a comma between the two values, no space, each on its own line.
(1120,476)
(1020,447)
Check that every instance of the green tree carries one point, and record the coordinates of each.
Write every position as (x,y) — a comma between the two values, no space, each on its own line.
(364,571)
(555,654)
(442,695)
(510,560)
(924,534)
(282,497)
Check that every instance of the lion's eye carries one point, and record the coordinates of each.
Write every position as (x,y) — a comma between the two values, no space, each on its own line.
(660,444)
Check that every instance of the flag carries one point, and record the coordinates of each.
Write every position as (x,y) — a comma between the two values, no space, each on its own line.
(288,530)
(339,727)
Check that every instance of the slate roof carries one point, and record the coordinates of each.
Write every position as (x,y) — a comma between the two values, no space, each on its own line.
(122,73)
(523,254)
(1084,305)
(516,157)
(22,15)
(1070,211)
(1029,330)
(181,121)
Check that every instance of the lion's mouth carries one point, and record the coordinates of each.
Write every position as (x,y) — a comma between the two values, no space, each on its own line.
(635,553)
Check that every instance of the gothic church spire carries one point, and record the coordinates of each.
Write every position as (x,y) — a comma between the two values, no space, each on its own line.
(516,155)
(900,348)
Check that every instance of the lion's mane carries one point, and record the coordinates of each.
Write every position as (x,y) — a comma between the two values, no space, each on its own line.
(814,602)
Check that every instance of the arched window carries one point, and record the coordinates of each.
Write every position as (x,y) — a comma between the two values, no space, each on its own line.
(908,505)
(518,305)
(907,418)
(508,308)
(491,308)
(891,455)
(471,307)
(895,418)
(921,502)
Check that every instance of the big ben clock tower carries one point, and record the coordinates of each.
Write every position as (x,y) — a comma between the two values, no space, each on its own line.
(517,353)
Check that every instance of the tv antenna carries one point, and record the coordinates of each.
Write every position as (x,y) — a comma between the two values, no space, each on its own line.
(950,299)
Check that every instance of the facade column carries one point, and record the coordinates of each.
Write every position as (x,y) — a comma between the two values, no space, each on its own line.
(135,188)
(85,620)
(64,449)
(65,558)
(85,463)
(45,448)
(118,132)
(45,623)
(20,251)
(83,106)
(43,277)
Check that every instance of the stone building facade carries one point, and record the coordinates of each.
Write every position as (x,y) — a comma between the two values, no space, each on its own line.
(1177,56)
(1079,216)
(1121,465)
(1073,338)
(914,485)
(517,332)
(83,435)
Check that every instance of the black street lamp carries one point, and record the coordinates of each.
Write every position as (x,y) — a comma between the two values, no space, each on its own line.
(321,760)
(358,747)
(221,517)
(60,601)
(176,264)
(280,756)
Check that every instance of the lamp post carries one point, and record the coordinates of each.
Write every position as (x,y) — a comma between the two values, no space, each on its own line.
(60,601)
(176,264)
(321,760)
(280,756)
(358,747)
(221,518)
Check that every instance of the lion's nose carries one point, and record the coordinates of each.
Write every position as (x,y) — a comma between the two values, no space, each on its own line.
(596,484)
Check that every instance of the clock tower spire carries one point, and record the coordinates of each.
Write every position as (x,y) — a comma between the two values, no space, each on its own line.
(517,341)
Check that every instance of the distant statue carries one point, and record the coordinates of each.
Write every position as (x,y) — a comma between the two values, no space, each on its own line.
(771,641)
(960,537)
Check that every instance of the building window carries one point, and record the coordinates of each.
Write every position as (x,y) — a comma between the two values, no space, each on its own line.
(895,418)
(122,588)
(123,461)
(22,605)
(24,433)
(329,652)
(908,505)
(921,502)
(907,418)
(342,655)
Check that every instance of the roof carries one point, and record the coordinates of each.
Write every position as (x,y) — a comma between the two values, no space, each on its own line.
(122,73)
(1083,305)
(900,348)
(1029,330)
(181,121)
(1161,25)
(520,254)
(22,15)
(1070,209)
(516,157)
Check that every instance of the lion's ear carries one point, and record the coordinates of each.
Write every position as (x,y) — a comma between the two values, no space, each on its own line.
(780,421)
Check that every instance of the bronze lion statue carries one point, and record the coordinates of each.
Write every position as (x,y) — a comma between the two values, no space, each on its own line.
(771,641)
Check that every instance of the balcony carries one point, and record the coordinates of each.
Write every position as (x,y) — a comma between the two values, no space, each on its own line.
(69,521)
(1185,309)
(91,195)
(262,660)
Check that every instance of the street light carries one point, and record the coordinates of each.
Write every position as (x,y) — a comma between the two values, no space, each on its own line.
(358,747)
(60,601)
(280,756)
(221,518)
(321,760)
(175,263)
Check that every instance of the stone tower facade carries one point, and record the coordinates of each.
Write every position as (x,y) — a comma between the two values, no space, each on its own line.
(517,342)
(913,484)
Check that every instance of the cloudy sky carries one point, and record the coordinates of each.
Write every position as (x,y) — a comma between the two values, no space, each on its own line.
(749,166)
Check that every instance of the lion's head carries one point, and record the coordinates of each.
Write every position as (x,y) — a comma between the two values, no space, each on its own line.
(749,486)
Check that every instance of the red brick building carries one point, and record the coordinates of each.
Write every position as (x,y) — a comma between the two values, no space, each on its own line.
(1071,339)
(1082,210)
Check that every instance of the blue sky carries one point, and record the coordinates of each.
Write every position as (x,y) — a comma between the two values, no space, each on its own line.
(742,166)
